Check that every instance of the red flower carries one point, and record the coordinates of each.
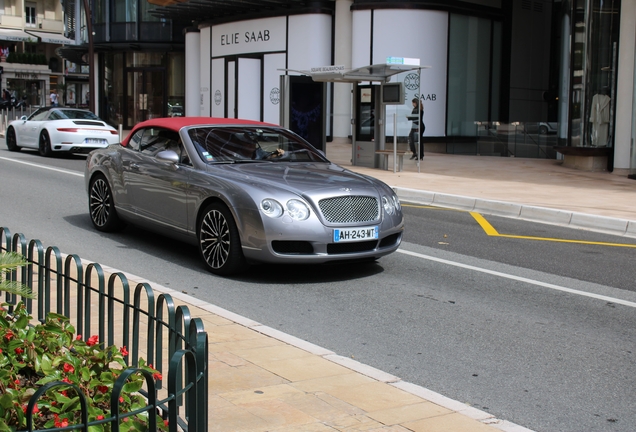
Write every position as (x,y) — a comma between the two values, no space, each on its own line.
(78,337)
(35,409)
(68,368)
(64,393)
(156,376)
(60,423)
(102,389)
(92,340)
(165,423)
(121,399)
(100,417)
(9,335)
(19,350)
(68,381)
(123,351)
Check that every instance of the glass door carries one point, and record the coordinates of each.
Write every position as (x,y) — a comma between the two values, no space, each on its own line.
(145,95)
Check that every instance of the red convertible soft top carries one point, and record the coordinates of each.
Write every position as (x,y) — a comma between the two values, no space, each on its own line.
(176,123)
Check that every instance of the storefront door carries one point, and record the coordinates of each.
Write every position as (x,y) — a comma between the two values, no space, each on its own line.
(145,95)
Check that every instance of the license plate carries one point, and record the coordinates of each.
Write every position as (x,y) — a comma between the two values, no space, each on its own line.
(355,234)
(95,141)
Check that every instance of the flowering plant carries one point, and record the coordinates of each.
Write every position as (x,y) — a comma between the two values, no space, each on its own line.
(32,356)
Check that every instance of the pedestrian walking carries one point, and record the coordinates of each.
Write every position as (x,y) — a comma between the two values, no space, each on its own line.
(53,98)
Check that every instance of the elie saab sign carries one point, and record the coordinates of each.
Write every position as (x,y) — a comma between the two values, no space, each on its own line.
(254,36)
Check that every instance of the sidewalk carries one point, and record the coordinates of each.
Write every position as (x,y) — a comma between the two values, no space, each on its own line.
(535,189)
(263,380)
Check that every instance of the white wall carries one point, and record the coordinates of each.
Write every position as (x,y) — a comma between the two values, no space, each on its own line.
(309,43)
(217,89)
(193,74)
(205,72)
(271,86)
(423,34)
(625,86)
(249,89)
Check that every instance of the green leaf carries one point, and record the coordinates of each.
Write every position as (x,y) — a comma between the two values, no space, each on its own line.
(46,365)
(6,401)
(71,404)
(132,387)
(22,322)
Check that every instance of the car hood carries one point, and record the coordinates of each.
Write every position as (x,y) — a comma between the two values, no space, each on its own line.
(302,178)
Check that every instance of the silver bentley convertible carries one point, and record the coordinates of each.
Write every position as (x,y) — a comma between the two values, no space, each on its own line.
(243,192)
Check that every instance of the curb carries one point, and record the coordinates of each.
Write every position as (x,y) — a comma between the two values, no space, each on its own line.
(354,365)
(602,224)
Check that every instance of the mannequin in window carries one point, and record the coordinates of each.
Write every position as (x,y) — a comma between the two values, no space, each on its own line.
(600,117)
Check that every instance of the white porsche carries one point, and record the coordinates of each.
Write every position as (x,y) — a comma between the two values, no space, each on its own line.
(58,129)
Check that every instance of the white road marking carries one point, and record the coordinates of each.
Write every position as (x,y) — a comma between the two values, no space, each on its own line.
(75,173)
(520,279)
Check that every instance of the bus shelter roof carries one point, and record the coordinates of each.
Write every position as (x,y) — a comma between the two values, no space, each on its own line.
(378,72)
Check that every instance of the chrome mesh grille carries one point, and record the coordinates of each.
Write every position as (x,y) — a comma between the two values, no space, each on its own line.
(348,209)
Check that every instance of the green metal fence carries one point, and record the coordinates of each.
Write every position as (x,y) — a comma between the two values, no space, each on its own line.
(152,326)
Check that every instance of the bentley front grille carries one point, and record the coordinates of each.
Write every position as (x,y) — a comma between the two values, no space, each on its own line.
(350,209)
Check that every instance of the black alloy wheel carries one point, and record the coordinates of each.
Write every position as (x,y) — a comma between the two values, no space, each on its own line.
(219,242)
(45,144)
(101,206)
(12,142)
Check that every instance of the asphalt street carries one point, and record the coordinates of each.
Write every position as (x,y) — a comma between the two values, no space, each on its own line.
(499,323)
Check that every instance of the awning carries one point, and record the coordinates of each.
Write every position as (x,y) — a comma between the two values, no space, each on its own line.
(53,38)
(16,36)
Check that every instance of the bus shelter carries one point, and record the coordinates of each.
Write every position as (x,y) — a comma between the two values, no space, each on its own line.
(373,91)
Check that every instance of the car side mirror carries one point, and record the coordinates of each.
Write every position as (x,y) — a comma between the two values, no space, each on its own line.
(23,117)
(168,156)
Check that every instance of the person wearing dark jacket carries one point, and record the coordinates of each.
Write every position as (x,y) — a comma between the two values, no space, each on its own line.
(415,127)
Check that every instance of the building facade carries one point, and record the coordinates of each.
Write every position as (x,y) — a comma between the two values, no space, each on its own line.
(498,69)
(30,32)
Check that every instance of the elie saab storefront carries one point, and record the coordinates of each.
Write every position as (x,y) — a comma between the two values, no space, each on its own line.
(238,64)
(568,63)
(242,62)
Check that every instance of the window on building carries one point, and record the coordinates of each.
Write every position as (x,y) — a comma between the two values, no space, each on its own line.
(473,68)
(29,14)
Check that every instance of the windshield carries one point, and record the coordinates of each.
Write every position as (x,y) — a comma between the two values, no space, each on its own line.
(217,144)
(62,114)
(78,114)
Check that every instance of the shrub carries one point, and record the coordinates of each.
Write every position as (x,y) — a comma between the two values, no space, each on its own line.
(33,356)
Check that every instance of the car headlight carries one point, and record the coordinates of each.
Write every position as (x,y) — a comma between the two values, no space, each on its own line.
(271,208)
(297,210)
(388,205)
(396,202)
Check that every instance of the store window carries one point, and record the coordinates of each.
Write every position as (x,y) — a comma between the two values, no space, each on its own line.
(595,29)
(31,91)
(473,71)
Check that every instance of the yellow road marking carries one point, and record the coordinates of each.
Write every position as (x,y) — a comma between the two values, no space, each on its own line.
(492,232)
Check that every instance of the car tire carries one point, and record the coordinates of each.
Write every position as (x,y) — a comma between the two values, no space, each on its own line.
(45,144)
(12,142)
(219,241)
(101,206)
(543,130)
